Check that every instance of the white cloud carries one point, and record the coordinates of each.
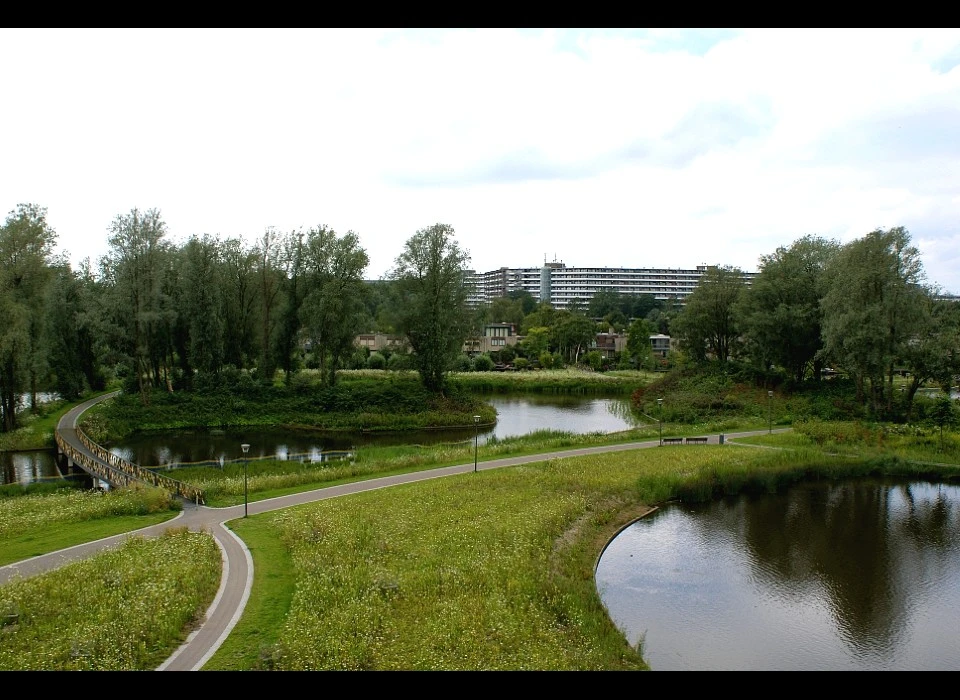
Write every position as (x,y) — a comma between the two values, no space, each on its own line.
(618,148)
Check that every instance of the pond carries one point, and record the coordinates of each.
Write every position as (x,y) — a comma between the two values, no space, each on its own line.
(860,575)
(516,415)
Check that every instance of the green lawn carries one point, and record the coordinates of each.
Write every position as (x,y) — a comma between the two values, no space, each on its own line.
(487,570)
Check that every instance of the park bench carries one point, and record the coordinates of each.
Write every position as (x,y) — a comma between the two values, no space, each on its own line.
(673,441)
(701,440)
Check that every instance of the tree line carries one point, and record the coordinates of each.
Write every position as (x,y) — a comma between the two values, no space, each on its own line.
(183,316)
(156,314)
(863,308)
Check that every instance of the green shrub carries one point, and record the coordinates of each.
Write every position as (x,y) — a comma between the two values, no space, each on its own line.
(594,359)
(399,361)
(358,359)
(482,363)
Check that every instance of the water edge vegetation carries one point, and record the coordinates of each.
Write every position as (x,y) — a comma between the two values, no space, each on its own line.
(492,570)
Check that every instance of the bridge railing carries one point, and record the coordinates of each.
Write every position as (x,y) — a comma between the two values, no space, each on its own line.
(118,471)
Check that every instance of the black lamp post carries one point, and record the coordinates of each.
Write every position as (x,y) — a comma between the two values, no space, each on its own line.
(770,411)
(476,440)
(244,447)
(660,412)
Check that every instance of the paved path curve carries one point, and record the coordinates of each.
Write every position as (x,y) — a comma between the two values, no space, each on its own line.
(235,584)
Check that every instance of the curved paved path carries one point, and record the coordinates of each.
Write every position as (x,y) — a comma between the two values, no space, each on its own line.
(235,584)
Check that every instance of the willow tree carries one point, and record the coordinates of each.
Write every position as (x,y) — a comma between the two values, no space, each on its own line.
(572,334)
(293,289)
(335,300)
(707,325)
(933,351)
(780,313)
(270,287)
(26,257)
(133,269)
(72,336)
(239,298)
(871,310)
(431,309)
(201,304)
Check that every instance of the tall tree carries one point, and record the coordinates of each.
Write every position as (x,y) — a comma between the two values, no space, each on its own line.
(335,301)
(572,334)
(535,342)
(201,303)
(780,313)
(239,298)
(642,305)
(269,271)
(605,301)
(26,256)
(72,353)
(133,268)
(430,277)
(638,348)
(527,301)
(506,310)
(933,351)
(708,322)
(378,317)
(870,310)
(542,316)
(294,289)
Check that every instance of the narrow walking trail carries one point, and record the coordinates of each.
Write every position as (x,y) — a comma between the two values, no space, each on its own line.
(235,584)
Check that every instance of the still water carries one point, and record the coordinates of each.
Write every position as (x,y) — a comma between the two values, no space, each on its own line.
(515,416)
(858,575)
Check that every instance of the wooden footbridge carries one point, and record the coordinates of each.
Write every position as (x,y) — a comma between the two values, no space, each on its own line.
(79,451)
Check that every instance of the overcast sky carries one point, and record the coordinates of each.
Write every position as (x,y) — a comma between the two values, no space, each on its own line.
(618,148)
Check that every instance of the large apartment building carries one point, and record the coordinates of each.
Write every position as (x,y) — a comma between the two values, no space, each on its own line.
(558,285)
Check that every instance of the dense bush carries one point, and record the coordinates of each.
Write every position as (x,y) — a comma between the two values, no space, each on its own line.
(507,354)
(482,363)
(715,391)
(358,360)
(393,402)
(594,359)
(399,361)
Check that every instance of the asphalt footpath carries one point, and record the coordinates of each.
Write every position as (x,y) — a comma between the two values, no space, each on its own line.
(235,584)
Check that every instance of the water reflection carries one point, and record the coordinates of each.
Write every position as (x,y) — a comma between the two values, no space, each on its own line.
(522,415)
(28,467)
(515,416)
(852,576)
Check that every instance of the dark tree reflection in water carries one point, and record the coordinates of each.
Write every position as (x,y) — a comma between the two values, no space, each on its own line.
(854,575)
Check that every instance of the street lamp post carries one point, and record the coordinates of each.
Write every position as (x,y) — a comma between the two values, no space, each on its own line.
(660,412)
(770,411)
(244,447)
(476,440)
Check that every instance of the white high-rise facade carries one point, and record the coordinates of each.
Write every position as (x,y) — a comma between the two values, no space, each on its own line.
(559,285)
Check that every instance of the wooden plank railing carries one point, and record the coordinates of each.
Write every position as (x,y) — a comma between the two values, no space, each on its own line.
(119,472)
